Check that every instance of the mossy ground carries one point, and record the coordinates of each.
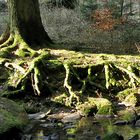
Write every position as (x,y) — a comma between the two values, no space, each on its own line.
(77,75)
(11,115)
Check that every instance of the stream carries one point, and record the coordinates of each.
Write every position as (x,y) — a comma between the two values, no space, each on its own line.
(86,128)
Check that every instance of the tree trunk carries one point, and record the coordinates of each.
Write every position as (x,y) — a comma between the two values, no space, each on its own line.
(122,8)
(131,7)
(25,20)
(20,43)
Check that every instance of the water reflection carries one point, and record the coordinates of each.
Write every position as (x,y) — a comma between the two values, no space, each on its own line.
(84,129)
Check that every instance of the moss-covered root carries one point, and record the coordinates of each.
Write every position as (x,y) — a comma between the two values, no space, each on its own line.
(33,72)
(134,79)
(14,44)
(107,75)
(73,98)
(22,61)
(112,77)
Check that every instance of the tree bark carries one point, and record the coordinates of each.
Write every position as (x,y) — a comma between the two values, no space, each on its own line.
(122,8)
(21,42)
(24,16)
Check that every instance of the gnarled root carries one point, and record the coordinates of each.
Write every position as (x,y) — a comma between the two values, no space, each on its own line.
(32,71)
(16,46)
(23,63)
(106,77)
(134,79)
(73,96)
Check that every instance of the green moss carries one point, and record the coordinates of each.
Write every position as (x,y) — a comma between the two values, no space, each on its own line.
(9,121)
(104,106)
(105,110)
(71,131)
(128,115)
(85,73)
(61,99)
(54,64)
(23,53)
(11,115)
(123,94)
(87,109)
(131,99)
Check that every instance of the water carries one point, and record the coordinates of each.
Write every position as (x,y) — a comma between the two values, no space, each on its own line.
(83,129)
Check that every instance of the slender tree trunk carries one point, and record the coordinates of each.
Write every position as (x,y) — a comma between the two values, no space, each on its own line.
(131,6)
(25,19)
(139,7)
(122,7)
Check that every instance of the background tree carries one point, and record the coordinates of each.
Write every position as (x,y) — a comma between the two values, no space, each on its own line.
(70,4)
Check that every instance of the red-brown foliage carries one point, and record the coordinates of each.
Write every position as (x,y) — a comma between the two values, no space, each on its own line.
(104,19)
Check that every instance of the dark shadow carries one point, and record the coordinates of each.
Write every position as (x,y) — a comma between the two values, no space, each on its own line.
(86,48)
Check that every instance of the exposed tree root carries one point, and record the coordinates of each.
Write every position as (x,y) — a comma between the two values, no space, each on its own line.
(83,75)
(106,77)
(72,96)
(17,46)
(134,79)
(23,63)
(32,71)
